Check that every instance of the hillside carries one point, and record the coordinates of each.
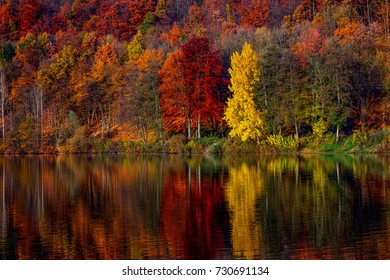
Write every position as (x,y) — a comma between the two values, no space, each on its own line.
(101,75)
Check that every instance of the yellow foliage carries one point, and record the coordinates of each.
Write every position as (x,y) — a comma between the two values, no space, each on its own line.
(149,58)
(241,114)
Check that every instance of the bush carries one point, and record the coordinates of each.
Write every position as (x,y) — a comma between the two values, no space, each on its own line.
(319,129)
(236,146)
(201,145)
(280,144)
(77,143)
(175,144)
(193,147)
(215,148)
(360,138)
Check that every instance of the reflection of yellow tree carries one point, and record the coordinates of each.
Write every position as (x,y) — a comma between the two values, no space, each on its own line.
(244,187)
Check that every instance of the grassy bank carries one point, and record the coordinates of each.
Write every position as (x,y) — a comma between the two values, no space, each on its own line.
(359,142)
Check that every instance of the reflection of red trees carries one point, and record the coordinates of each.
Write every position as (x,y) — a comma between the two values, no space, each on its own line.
(190,221)
(125,210)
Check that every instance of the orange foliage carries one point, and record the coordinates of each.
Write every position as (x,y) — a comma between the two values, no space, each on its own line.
(174,35)
(255,15)
(309,43)
(173,91)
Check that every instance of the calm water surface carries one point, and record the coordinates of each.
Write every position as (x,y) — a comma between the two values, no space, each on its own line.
(112,207)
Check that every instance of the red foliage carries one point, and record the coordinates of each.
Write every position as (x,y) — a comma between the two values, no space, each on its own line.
(192,86)
(309,44)
(6,20)
(118,18)
(202,69)
(256,14)
(28,15)
(175,102)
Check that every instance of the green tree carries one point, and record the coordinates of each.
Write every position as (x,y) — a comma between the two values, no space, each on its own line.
(241,114)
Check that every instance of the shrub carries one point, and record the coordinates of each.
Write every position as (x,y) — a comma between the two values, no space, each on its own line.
(360,138)
(278,143)
(77,143)
(175,144)
(319,129)
(201,145)
(236,146)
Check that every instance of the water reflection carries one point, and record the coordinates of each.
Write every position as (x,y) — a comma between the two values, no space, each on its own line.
(285,207)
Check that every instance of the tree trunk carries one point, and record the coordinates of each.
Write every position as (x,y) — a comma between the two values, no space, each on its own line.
(102,113)
(2,92)
(368,12)
(188,128)
(198,134)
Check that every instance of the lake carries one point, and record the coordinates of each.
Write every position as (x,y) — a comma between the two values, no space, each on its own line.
(173,207)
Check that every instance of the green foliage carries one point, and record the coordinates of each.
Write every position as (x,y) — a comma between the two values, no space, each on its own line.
(329,145)
(7,52)
(360,138)
(135,48)
(25,42)
(147,23)
(215,148)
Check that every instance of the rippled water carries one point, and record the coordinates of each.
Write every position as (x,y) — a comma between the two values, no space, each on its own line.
(112,207)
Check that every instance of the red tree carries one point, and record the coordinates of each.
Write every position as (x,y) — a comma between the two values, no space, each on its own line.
(7,22)
(192,83)
(28,15)
(256,14)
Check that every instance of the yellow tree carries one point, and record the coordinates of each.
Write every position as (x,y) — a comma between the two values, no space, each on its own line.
(241,114)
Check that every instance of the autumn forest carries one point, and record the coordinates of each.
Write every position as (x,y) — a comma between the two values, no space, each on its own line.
(189,75)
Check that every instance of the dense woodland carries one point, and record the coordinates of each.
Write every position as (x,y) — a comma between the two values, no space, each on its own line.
(91,75)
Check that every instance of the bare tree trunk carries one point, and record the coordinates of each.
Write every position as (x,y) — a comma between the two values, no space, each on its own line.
(338,104)
(188,128)
(368,12)
(102,113)
(293,103)
(2,92)
(41,99)
(198,126)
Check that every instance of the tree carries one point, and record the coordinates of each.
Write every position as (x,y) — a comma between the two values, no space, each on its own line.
(103,73)
(28,15)
(241,114)
(6,54)
(174,99)
(202,69)
(7,22)
(192,88)
(255,15)
(26,94)
(142,99)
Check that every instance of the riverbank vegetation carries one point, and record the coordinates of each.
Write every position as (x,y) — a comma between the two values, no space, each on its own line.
(179,76)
